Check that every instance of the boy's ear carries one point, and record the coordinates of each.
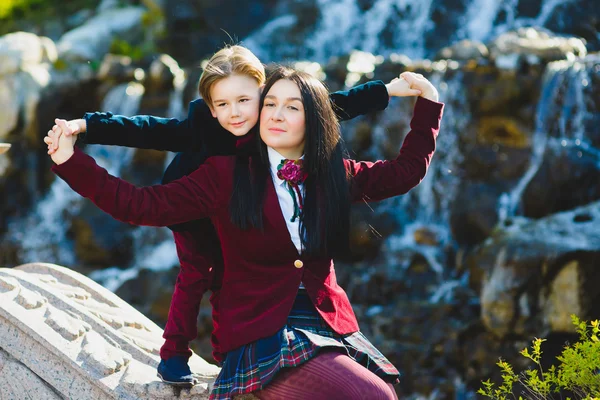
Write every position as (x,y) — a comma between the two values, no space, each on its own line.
(212,111)
(261,88)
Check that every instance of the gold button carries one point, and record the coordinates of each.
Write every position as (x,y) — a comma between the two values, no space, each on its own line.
(298,264)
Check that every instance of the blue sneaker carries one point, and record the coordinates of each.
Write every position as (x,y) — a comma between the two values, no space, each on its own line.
(176,371)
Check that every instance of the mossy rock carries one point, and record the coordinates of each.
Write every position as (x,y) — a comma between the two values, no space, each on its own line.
(86,247)
(502,130)
(100,241)
(495,92)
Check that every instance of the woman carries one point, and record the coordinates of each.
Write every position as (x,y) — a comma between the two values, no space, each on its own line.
(228,110)
(281,211)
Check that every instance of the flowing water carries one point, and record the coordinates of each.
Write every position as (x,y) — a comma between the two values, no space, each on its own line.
(417,29)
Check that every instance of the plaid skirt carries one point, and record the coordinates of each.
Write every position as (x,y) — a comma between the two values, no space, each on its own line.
(251,367)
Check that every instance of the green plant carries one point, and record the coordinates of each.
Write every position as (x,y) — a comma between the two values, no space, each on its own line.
(578,370)
(136,52)
(32,15)
(8,6)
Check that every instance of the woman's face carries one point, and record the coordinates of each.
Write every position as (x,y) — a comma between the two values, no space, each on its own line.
(282,119)
(235,102)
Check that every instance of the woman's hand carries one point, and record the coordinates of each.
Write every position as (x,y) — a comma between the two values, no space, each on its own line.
(398,87)
(65,146)
(420,83)
(61,126)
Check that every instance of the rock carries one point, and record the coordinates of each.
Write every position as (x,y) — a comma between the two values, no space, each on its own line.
(506,93)
(426,236)
(536,273)
(49,50)
(473,214)
(147,166)
(9,106)
(116,69)
(161,80)
(564,300)
(579,18)
(567,178)
(368,229)
(494,162)
(464,50)
(536,45)
(16,380)
(20,94)
(21,49)
(68,337)
(197,28)
(162,73)
(503,131)
(24,74)
(100,242)
(92,40)
(150,292)
(191,90)
(106,5)
(78,18)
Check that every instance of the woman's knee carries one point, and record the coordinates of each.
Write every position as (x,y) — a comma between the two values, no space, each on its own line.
(358,381)
(329,376)
(393,390)
(368,389)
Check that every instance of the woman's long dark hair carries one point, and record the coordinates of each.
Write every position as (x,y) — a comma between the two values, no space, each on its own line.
(326,212)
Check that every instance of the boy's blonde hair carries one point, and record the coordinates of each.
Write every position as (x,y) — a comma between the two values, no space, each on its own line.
(228,61)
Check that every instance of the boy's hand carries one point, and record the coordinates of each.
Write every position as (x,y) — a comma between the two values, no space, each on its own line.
(69,128)
(401,88)
(419,82)
(64,145)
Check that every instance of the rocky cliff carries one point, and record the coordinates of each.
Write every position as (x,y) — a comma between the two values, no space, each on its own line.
(498,243)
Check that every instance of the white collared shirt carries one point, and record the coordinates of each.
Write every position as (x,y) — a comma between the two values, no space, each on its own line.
(285,199)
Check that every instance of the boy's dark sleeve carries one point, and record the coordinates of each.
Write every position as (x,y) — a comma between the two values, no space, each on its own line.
(149,132)
(360,100)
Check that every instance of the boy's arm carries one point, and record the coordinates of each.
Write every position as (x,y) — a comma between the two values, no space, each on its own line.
(149,132)
(362,99)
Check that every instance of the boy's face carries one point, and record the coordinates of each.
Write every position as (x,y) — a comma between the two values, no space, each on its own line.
(235,102)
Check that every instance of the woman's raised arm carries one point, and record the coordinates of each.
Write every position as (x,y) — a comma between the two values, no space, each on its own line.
(372,181)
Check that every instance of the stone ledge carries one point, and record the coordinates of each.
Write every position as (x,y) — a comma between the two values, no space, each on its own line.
(64,336)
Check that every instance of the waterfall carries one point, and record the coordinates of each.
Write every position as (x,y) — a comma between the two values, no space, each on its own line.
(334,28)
(570,106)
(427,205)
(42,234)
(154,247)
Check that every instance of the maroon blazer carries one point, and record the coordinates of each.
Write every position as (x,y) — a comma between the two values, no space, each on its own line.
(262,270)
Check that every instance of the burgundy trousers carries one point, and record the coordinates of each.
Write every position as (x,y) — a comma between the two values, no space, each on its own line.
(201,270)
(329,376)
